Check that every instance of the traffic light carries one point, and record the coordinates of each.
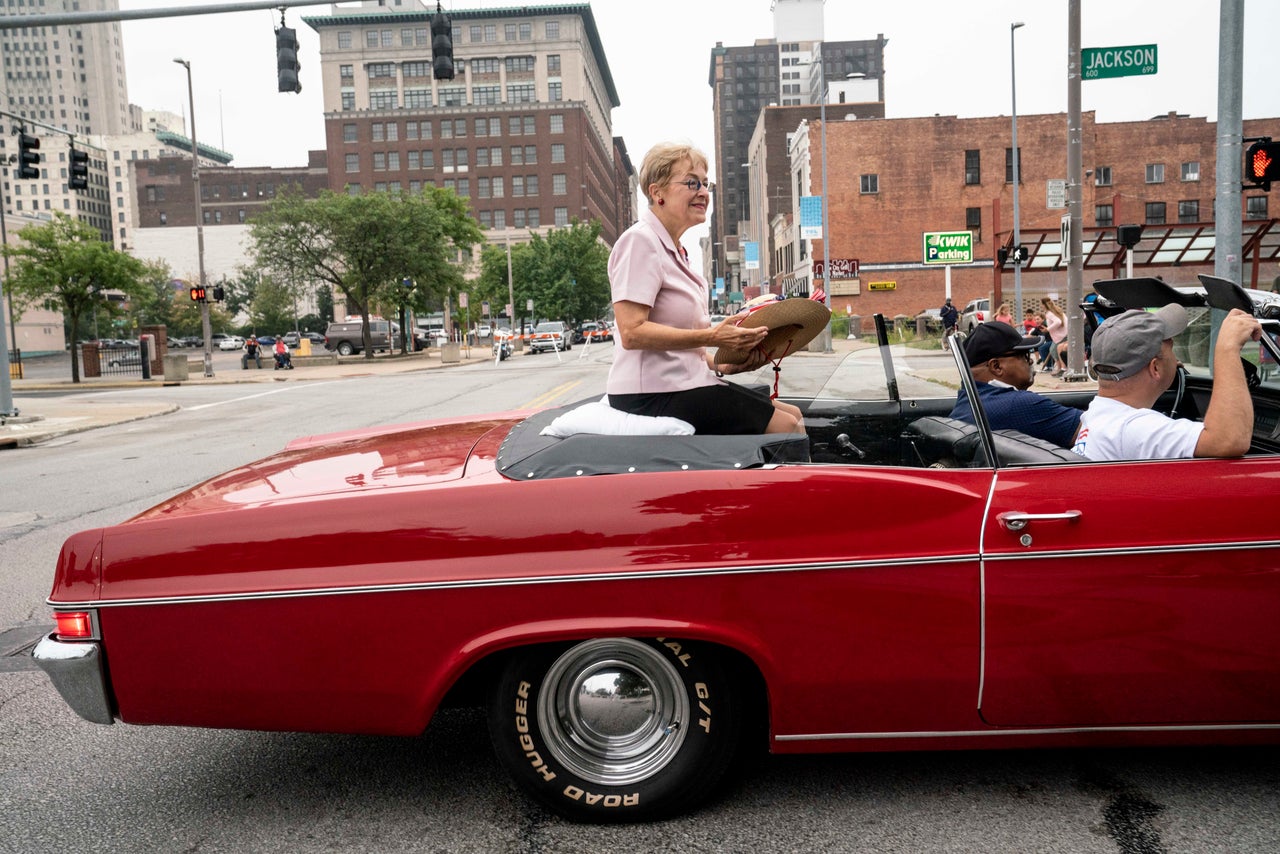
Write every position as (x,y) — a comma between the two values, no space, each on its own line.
(287,66)
(1002,256)
(197,294)
(28,156)
(441,45)
(79,179)
(1262,163)
(218,293)
(1018,254)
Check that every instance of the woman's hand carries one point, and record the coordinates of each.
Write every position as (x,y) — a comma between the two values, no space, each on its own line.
(755,361)
(729,334)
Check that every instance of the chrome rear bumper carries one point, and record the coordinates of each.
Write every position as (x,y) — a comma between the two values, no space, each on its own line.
(76,671)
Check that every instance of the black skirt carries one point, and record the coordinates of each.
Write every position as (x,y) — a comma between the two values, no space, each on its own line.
(725,409)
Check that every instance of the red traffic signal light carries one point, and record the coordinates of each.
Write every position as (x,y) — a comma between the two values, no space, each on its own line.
(1262,163)
(197,294)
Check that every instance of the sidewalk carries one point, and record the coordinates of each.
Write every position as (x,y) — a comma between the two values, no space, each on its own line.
(42,418)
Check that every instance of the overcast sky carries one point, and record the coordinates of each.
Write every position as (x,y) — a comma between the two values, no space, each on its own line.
(943,57)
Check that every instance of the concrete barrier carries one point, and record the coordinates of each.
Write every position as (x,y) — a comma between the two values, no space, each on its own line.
(176,368)
(329,358)
(450,353)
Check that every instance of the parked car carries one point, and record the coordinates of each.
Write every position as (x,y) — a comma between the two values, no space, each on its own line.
(593,331)
(267,341)
(977,589)
(231,342)
(484,330)
(348,337)
(549,335)
(124,359)
(975,312)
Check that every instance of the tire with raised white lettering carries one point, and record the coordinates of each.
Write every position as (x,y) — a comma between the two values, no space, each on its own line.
(616,729)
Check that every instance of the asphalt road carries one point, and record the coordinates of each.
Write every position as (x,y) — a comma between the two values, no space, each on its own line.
(67,785)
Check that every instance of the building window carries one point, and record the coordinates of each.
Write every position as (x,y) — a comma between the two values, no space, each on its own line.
(486,219)
(972,167)
(499,187)
(379,161)
(393,161)
(482,157)
(495,156)
(486,65)
(370,38)
(973,220)
(1189,210)
(453,96)
(513,125)
(348,100)
(353,163)
(499,219)
(482,188)
(869,184)
(460,155)
(553,29)
(557,152)
(415,163)
(388,38)
(482,127)
(517,218)
(1008,165)
(553,64)
(520,93)
(533,218)
(1155,173)
(509,32)
(1155,213)
(1191,171)
(477,33)
(410,130)
(380,70)
(378,132)
(526,32)
(416,69)
(446,129)
(559,185)
(517,186)
(1255,207)
(344,39)
(464,186)
(530,155)
(484,95)
(424,128)
(460,128)
(555,91)
(406,37)
(349,133)
(561,217)
(520,64)
(1103,216)
(346,71)
(428,159)
(491,32)
(1102,176)
(495,126)
(557,123)
(383,99)
(517,155)
(446,159)
(531,185)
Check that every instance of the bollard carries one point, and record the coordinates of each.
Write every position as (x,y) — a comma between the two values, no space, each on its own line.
(176,367)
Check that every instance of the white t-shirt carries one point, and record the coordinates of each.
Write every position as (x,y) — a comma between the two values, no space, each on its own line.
(1111,430)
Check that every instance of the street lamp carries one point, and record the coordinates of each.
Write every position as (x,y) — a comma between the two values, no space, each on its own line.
(195,186)
(1017,232)
(826,224)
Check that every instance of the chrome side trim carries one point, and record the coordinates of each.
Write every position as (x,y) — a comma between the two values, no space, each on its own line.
(648,575)
(76,671)
(629,575)
(983,733)
(982,590)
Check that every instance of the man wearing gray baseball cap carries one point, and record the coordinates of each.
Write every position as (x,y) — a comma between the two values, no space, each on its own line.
(1132,354)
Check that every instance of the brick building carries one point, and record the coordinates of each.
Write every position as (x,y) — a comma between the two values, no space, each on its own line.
(166,216)
(892,180)
(524,129)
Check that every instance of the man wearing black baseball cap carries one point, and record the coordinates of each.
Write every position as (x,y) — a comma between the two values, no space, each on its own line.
(1000,361)
(1133,358)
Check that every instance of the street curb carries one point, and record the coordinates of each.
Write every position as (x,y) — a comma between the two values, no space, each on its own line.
(21,441)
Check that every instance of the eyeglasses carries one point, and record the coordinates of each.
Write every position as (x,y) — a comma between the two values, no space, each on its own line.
(1017,354)
(695,185)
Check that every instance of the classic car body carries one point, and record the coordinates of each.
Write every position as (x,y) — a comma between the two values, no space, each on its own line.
(632,610)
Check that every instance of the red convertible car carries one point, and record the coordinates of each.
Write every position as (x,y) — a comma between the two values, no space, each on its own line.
(635,612)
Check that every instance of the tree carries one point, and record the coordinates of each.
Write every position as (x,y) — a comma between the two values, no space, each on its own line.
(272,310)
(565,274)
(366,245)
(64,263)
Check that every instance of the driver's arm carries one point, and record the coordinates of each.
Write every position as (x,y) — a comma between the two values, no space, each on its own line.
(1228,423)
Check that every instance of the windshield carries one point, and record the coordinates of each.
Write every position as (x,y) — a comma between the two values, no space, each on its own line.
(549,326)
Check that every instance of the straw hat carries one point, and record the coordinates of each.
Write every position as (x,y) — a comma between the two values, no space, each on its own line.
(792,324)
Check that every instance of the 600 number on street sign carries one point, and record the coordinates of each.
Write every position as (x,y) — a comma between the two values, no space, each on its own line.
(948,247)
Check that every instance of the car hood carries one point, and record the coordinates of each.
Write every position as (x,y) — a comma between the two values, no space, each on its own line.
(339,464)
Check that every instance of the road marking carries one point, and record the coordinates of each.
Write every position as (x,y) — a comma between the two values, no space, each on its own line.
(545,399)
(289,387)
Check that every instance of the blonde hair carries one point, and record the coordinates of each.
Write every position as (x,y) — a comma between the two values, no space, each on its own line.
(660,163)
(1053,307)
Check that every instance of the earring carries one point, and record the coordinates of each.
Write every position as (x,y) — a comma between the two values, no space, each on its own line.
(662,201)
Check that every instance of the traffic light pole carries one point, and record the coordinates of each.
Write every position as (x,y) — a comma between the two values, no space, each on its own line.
(195,187)
(53,19)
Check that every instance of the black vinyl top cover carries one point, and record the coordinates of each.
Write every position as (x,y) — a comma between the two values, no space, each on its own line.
(527,455)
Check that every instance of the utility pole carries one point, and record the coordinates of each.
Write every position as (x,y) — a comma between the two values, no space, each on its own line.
(1075,175)
(1227,263)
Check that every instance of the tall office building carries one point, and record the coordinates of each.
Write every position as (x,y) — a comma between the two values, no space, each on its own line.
(524,128)
(793,68)
(70,77)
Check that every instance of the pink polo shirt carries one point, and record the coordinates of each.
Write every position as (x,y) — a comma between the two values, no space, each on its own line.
(646,267)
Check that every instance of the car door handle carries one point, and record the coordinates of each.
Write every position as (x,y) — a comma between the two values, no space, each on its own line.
(1016,520)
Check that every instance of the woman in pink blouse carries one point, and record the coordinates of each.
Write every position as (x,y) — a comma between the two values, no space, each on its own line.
(664,366)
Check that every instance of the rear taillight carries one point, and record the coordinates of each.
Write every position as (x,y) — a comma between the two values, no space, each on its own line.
(980,317)
(74,625)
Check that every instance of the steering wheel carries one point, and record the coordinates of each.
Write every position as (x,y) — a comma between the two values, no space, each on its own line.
(1179,389)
